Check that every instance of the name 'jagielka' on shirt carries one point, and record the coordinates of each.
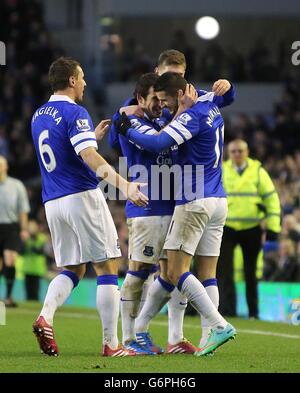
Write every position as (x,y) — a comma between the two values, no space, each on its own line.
(50,111)
(61,129)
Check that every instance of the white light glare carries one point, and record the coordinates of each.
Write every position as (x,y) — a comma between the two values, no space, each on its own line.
(207,27)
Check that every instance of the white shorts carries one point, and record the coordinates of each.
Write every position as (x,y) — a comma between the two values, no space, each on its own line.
(146,238)
(82,229)
(197,227)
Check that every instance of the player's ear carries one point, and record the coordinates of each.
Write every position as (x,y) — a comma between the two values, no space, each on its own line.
(140,99)
(72,81)
(180,94)
(156,70)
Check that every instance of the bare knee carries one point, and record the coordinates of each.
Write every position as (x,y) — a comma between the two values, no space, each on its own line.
(138,266)
(111,266)
(206,267)
(203,276)
(78,270)
(163,267)
(178,263)
(173,276)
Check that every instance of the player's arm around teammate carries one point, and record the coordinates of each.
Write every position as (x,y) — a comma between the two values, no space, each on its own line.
(208,262)
(197,223)
(147,233)
(222,94)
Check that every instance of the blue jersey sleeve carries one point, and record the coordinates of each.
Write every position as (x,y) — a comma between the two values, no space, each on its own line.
(180,130)
(220,101)
(153,143)
(141,126)
(138,124)
(113,135)
(80,129)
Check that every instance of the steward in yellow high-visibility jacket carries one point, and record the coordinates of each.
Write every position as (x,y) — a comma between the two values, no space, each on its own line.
(251,197)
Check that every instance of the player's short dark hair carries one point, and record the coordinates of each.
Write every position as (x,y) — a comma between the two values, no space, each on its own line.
(171,57)
(60,71)
(144,83)
(170,82)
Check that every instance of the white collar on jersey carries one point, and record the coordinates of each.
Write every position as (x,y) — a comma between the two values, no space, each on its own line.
(60,97)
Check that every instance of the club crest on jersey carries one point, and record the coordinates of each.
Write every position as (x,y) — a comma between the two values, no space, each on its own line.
(184,118)
(82,125)
(161,123)
(148,251)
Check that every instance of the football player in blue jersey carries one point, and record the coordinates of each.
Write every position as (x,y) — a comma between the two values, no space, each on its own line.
(147,226)
(223,94)
(197,224)
(79,220)
(172,60)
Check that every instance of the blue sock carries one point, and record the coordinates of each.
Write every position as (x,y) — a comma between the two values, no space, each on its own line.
(107,279)
(73,276)
(142,274)
(182,279)
(209,282)
(167,286)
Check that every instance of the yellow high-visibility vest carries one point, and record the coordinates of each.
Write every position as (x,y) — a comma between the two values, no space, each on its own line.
(251,197)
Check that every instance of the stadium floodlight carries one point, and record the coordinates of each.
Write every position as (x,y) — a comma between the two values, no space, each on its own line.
(207,27)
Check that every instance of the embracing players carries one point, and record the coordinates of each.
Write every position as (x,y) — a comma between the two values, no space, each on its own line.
(201,208)
(146,232)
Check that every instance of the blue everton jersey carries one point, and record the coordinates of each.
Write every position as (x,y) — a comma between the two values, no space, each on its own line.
(161,200)
(220,101)
(199,135)
(113,136)
(61,129)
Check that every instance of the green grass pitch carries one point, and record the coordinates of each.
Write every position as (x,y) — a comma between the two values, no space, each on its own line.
(259,346)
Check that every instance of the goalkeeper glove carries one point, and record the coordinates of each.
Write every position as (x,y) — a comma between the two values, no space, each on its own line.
(123,124)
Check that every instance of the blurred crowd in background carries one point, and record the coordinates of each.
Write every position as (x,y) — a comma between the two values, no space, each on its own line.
(127,61)
(273,139)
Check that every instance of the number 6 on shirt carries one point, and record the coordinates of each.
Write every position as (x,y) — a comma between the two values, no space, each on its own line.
(44,148)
